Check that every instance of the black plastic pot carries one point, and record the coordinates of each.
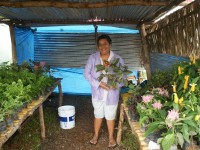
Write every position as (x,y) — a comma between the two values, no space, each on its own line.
(3,127)
(9,120)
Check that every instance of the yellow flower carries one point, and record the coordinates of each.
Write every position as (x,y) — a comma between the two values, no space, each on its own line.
(179,70)
(175,98)
(192,87)
(181,100)
(197,117)
(186,82)
(174,87)
(184,115)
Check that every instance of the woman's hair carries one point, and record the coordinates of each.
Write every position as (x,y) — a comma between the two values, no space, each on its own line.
(104,36)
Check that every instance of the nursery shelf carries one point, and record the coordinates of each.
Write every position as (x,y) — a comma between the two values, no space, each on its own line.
(136,129)
(28,111)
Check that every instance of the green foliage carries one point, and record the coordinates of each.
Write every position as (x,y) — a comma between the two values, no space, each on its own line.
(19,85)
(115,73)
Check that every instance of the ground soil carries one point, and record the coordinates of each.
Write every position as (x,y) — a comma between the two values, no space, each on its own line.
(78,138)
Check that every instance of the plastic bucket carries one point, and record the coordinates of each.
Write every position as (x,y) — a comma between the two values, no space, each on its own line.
(67,116)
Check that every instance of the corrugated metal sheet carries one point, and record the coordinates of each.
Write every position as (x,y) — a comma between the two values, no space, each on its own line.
(73,50)
(125,12)
(160,61)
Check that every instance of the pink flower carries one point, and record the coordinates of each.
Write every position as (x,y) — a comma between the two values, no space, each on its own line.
(166,93)
(42,64)
(157,105)
(173,115)
(147,98)
(35,67)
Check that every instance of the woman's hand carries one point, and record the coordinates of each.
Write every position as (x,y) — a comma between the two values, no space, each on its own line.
(104,86)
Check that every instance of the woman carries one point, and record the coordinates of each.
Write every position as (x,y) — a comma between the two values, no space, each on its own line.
(104,99)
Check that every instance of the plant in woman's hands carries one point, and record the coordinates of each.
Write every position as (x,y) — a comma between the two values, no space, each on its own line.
(115,73)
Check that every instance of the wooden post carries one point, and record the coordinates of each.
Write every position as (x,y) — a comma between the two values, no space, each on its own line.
(42,126)
(60,94)
(13,42)
(120,125)
(146,53)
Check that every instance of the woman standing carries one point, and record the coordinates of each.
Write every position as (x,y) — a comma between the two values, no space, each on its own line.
(104,99)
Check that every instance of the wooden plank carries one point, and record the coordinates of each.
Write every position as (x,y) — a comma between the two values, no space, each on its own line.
(26,4)
(24,114)
(120,125)
(136,130)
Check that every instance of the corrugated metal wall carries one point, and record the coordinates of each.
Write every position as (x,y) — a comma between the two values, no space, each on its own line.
(72,50)
(160,61)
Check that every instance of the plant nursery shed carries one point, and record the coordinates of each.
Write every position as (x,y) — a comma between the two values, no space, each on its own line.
(166,45)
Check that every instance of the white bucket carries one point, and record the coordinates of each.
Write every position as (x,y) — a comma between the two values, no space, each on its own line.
(66,116)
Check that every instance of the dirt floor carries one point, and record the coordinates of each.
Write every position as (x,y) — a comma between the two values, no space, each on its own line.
(57,138)
(78,137)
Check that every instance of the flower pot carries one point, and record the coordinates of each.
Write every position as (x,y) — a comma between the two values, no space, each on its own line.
(173,147)
(9,120)
(133,115)
(2,127)
(153,136)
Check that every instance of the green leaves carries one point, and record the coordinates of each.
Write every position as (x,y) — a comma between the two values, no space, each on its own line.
(115,73)
(100,68)
(168,141)
(180,139)
(185,132)
(152,127)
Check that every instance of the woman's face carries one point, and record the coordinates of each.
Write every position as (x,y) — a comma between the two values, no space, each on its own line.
(104,46)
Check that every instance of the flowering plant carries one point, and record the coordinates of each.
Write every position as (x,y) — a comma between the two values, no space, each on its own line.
(40,67)
(180,119)
(114,71)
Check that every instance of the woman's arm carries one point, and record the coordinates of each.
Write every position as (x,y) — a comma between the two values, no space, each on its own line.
(87,73)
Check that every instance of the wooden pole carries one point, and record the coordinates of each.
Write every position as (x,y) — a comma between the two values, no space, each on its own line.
(13,42)
(146,53)
(120,125)
(60,94)
(42,126)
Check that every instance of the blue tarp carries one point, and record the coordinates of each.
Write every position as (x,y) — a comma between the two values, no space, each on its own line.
(24,44)
(73,80)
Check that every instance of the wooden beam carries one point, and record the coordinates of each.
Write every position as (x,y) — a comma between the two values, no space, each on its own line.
(146,53)
(72,22)
(57,4)
(13,42)
(162,11)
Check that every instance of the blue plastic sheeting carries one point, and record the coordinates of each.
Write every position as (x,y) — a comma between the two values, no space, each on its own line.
(24,44)
(86,29)
(73,81)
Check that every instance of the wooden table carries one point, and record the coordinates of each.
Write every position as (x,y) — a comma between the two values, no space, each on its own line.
(135,128)
(31,108)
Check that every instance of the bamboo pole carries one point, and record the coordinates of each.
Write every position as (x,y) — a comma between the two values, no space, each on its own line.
(42,126)
(146,53)
(120,125)
(13,42)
